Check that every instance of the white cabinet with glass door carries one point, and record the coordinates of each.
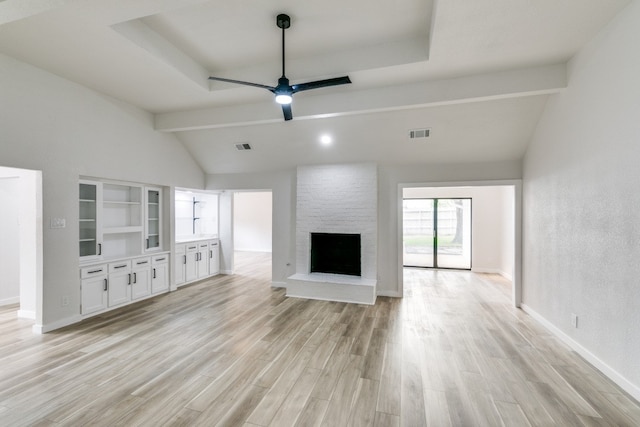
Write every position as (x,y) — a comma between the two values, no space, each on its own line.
(90,208)
(153,219)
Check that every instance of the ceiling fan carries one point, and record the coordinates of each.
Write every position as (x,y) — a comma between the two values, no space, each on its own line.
(284,91)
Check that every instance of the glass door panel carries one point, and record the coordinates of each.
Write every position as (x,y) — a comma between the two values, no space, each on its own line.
(453,244)
(418,227)
(88,220)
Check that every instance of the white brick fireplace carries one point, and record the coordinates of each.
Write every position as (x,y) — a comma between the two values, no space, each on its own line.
(336,199)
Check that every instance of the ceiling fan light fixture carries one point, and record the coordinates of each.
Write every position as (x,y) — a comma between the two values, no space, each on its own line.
(284,98)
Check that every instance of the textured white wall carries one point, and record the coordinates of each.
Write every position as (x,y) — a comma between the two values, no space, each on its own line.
(66,130)
(252,221)
(582,204)
(338,199)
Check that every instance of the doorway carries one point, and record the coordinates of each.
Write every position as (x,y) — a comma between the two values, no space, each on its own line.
(252,232)
(21,242)
(496,220)
(437,233)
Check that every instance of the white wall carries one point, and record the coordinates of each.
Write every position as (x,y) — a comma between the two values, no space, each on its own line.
(492,226)
(66,130)
(252,221)
(9,240)
(582,204)
(283,186)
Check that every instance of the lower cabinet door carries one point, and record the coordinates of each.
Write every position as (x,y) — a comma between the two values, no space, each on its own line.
(160,278)
(141,283)
(94,294)
(214,259)
(191,268)
(119,288)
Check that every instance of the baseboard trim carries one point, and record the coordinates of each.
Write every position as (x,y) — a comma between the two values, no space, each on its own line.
(278,284)
(27,314)
(10,301)
(607,370)
(48,327)
(392,294)
(227,272)
(492,271)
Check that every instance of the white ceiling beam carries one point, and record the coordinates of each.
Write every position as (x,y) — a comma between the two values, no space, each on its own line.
(15,10)
(139,33)
(483,87)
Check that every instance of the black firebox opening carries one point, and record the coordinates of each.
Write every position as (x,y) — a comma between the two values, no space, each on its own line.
(335,253)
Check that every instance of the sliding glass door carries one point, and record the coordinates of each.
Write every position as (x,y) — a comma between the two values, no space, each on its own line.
(437,233)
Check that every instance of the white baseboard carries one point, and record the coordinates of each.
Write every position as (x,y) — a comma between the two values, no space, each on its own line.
(392,294)
(27,314)
(278,284)
(9,301)
(227,272)
(48,327)
(607,370)
(492,271)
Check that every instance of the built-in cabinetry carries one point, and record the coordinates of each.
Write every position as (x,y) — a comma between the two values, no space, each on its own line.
(120,244)
(196,260)
(113,284)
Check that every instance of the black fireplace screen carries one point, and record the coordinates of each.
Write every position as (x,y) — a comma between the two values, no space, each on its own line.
(335,253)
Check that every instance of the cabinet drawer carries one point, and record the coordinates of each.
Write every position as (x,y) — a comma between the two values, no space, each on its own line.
(160,259)
(203,246)
(93,270)
(181,249)
(142,262)
(192,247)
(118,267)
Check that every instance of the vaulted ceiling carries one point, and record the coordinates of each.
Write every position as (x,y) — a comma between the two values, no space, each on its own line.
(477,73)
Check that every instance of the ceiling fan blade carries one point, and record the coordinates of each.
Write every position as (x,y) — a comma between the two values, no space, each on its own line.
(336,81)
(240,82)
(286,111)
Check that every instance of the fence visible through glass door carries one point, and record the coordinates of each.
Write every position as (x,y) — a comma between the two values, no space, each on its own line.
(437,233)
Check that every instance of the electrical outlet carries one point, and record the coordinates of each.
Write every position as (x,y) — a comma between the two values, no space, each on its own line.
(58,223)
(574,320)
(64,301)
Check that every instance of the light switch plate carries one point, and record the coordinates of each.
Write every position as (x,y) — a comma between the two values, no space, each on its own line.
(58,223)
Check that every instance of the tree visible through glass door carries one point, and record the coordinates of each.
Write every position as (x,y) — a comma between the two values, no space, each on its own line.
(437,233)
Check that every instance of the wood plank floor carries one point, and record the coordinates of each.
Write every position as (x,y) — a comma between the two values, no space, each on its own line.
(233,351)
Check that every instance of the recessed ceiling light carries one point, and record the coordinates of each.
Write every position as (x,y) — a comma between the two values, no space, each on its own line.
(326,139)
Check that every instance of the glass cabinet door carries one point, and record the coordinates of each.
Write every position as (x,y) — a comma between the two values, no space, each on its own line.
(88,219)
(153,219)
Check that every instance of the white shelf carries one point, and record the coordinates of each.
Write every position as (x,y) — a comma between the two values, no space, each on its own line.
(87,240)
(129,229)
(115,202)
(87,220)
(87,200)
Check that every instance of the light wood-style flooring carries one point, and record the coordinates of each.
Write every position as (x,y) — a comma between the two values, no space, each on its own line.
(233,351)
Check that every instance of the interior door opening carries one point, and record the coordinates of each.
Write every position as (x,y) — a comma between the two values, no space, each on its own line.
(252,232)
(437,233)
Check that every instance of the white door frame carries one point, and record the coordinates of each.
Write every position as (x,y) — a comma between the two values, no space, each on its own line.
(517,252)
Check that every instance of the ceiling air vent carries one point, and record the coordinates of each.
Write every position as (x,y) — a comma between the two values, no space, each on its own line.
(419,133)
(243,146)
